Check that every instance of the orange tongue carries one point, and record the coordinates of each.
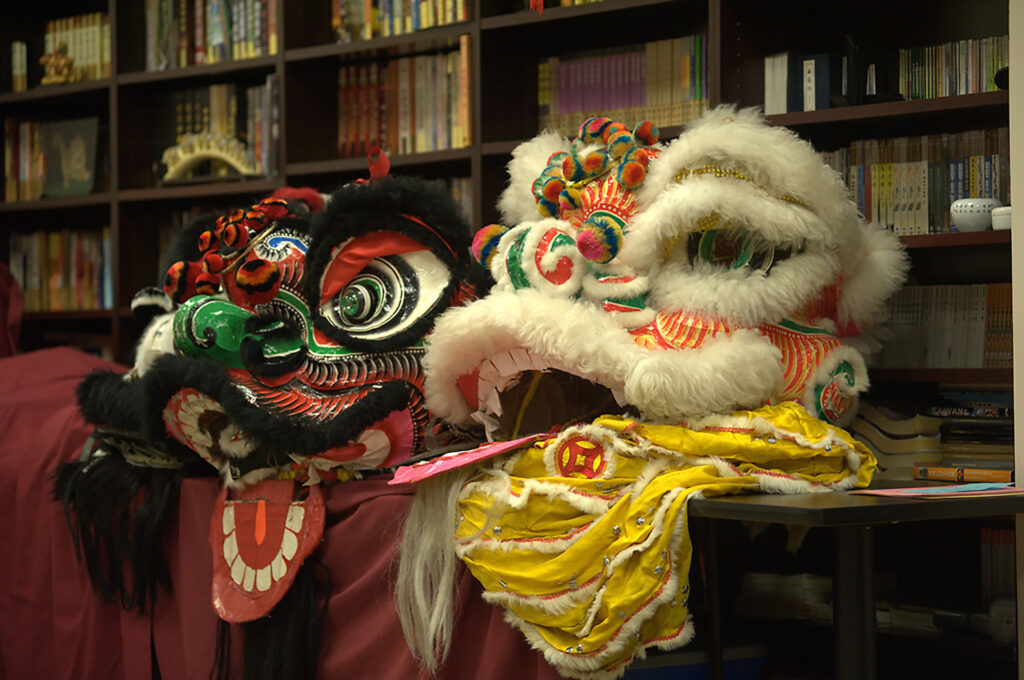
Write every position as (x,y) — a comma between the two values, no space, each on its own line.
(260,539)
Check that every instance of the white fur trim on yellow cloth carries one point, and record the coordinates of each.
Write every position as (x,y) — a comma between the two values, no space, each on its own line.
(582,537)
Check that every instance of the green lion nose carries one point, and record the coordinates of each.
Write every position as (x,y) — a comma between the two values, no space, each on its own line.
(211,327)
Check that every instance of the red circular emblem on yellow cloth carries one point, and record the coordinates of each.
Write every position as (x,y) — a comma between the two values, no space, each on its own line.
(581,458)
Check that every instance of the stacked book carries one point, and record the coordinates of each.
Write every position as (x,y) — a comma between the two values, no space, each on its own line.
(368,19)
(900,443)
(406,105)
(966,438)
(182,33)
(663,81)
(908,183)
(63,270)
(950,326)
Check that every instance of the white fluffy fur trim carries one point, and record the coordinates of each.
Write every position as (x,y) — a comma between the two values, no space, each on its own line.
(873,277)
(742,297)
(590,666)
(741,370)
(517,203)
(680,207)
(156,340)
(773,157)
(726,373)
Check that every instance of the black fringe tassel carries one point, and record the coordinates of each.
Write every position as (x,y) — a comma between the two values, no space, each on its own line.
(286,644)
(117,513)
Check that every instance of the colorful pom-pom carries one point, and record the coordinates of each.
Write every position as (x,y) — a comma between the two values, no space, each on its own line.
(595,163)
(258,280)
(631,174)
(555,159)
(213,263)
(611,129)
(207,283)
(569,201)
(547,208)
(599,239)
(207,240)
(572,168)
(593,128)
(639,155)
(180,280)
(235,235)
(620,142)
(646,132)
(485,243)
(274,208)
(552,187)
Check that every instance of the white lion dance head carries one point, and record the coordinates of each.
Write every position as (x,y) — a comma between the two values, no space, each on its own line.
(720,290)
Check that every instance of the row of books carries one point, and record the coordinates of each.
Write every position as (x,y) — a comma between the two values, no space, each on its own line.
(952,68)
(87,37)
(406,105)
(231,109)
(367,19)
(950,326)
(863,71)
(64,269)
(797,82)
(49,159)
(663,81)
(182,33)
(908,183)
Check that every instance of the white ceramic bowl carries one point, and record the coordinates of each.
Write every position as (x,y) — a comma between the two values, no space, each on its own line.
(1001,217)
(972,214)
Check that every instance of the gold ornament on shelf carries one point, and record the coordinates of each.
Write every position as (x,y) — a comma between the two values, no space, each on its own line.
(59,66)
(194,148)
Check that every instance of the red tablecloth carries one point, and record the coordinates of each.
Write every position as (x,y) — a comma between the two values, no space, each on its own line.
(53,626)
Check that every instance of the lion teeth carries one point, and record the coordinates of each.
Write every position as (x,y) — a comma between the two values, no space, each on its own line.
(238,570)
(296,514)
(248,581)
(289,544)
(278,567)
(227,520)
(263,580)
(230,548)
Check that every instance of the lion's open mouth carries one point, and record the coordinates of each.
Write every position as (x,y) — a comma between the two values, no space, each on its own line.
(518,392)
(735,248)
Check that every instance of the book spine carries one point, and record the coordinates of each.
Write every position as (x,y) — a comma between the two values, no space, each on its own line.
(961,474)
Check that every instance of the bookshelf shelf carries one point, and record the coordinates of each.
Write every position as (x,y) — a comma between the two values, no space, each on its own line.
(225,68)
(250,186)
(73,315)
(359,164)
(956,376)
(972,103)
(974,238)
(52,92)
(56,203)
(526,17)
(423,40)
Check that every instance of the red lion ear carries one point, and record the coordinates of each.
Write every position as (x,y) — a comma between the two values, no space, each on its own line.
(307,195)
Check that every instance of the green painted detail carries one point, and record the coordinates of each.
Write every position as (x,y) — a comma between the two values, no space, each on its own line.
(791,325)
(637,302)
(514,264)
(212,328)
(706,249)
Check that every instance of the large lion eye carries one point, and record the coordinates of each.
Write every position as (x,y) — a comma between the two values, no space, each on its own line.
(388,295)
